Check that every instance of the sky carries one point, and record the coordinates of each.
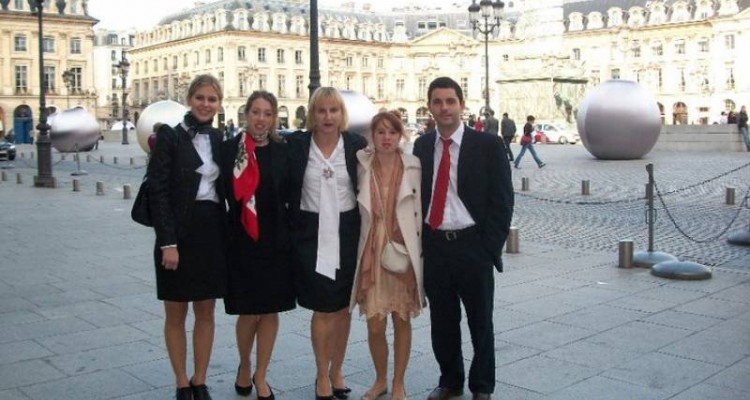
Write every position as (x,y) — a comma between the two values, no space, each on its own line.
(141,14)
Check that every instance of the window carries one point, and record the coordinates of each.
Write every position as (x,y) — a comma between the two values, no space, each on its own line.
(208,56)
(281,80)
(703,45)
(730,78)
(174,62)
(156,65)
(682,79)
(76,84)
(156,89)
(635,51)
(660,77)
(465,87)
(19,5)
(75,46)
(262,54)
(74,7)
(400,88)
(280,56)
(184,60)
(349,61)
(366,85)
(299,90)
(196,58)
(49,79)
(576,54)
(381,88)
(298,57)
(262,82)
(48,44)
(365,62)
(422,88)
(507,57)
(595,77)
(22,79)
(381,62)
(729,42)
(679,47)
(113,55)
(658,49)
(20,42)
(241,80)
(349,80)
(112,39)
(145,67)
(114,83)
(165,64)
(615,73)
(220,54)
(241,53)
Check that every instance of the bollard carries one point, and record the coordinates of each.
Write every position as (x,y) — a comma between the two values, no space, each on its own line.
(76,185)
(585,187)
(19,179)
(114,160)
(525,184)
(101,159)
(100,188)
(132,161)
(625,254)
(126,192)
(5,176)
(730,195)
(62,157)
(23,155)
(511,244)
(31,155)
(88,157)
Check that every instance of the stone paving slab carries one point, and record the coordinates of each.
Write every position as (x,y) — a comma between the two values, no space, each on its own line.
(79,318)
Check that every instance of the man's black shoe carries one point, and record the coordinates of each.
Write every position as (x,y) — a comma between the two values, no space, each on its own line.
(441,393)
(481,396)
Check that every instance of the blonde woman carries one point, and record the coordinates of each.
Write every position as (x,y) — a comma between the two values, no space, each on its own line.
(324,229)
(389,203)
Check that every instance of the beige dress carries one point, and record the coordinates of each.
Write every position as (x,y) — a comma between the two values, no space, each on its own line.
(381,292)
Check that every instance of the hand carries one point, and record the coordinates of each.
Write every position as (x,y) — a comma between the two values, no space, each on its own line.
(169,258)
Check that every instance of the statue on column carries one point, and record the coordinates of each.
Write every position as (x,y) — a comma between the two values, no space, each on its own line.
(4,4)
(85,5)
(60,6)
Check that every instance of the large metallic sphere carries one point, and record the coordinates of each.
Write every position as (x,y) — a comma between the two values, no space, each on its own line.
(619,120)
(360,110)
(166,112)
(73,128)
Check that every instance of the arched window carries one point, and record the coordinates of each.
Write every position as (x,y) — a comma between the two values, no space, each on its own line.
(423,114)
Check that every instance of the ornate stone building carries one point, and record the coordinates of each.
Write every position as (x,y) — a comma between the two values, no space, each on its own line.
(109,47)
(68,46)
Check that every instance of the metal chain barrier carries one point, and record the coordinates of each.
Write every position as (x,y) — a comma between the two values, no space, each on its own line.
(576,202)
(709,239)
(705,181)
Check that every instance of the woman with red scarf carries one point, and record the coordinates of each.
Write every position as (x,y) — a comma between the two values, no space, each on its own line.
(260,276)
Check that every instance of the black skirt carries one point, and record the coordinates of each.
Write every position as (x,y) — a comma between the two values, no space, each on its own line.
(201,270)
(315,291)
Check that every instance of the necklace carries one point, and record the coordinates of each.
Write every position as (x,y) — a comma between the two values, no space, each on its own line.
(260,139)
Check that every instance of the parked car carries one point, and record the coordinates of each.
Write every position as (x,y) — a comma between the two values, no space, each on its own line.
(7,150)
(557,133)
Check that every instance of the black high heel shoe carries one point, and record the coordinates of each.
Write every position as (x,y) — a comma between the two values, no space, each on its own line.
(319,397)
(269,397)
(242,390)
(340,393)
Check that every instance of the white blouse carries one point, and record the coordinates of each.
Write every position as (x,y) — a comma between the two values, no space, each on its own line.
(209,170)
(332,168)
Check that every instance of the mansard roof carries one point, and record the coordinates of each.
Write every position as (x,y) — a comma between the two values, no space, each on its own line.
(588,6)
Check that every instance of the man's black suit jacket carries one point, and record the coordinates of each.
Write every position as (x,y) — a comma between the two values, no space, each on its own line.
(484,185)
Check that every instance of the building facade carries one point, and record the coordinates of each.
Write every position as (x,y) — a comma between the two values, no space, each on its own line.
(67,46)
(109,48)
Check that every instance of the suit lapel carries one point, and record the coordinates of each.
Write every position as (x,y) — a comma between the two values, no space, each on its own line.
(428,166)
(464,159)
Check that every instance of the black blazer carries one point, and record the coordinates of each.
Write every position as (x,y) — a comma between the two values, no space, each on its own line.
(484,185)
(298,146)
(174,181)
(280,171)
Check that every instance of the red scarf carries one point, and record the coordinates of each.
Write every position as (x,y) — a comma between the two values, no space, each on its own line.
(245,180)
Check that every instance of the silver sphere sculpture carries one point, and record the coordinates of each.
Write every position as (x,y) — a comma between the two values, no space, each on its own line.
(360,110)
(74,129)
(619,120)
(165,112)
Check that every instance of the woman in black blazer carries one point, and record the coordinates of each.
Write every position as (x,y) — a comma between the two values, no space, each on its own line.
(188,210)
(260,275)
(325,230)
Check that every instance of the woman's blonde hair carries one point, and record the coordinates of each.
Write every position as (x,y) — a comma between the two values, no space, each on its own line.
(325,93)
(205,80)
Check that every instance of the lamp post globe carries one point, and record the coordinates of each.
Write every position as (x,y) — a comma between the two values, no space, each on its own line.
(491,14)
(44,176)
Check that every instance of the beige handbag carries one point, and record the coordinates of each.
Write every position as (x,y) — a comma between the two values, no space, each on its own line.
(395,256)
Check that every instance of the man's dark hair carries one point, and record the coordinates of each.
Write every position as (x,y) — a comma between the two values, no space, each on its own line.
(445,83)
(505,115)
(530,118)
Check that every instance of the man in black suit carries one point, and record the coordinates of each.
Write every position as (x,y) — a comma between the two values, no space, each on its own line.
(467,198)
(508,130)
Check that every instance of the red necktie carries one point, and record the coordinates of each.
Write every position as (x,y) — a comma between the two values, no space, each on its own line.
(441,186)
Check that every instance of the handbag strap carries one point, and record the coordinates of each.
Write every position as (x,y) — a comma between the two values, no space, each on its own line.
(380,200)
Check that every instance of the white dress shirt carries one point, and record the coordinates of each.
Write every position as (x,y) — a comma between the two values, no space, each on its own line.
(209,170)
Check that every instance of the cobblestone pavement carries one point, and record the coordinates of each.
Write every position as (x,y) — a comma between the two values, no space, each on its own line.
(79,318)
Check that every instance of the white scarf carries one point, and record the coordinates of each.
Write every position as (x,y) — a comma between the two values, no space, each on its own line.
(328,260)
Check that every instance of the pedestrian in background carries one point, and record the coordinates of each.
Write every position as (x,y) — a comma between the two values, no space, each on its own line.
(491,124)
(325,225)
(467,196)
(508,131)
(260,283)
(527,143)
(389,203)
(478,125)
(742,125)
(187,205)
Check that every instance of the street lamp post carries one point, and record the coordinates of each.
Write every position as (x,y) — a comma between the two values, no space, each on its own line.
(68,79)
(44,176)
(491,14)
(123,67)
(314,57)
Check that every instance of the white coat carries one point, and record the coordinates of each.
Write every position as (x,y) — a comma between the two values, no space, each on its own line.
(408,215)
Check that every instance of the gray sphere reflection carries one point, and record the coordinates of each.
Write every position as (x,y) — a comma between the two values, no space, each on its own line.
(73,128)
(165,112)
(619,120)
(360,109)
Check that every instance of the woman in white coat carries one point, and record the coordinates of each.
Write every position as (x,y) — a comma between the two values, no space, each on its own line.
(389,203)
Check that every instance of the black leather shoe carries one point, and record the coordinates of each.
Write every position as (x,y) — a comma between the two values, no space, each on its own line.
(242,390)
(441,393)
(185,393)
(341,393)
(200,392)
(269,397)
(481,396)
